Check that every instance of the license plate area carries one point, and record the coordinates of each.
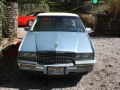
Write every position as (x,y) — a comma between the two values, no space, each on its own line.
(56,70)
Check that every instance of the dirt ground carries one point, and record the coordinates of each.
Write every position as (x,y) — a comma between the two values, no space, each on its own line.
(105,76)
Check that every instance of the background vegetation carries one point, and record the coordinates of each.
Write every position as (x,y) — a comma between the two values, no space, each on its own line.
(25,7)
(114,8)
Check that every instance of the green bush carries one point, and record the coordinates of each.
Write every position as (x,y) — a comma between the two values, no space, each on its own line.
(25,8)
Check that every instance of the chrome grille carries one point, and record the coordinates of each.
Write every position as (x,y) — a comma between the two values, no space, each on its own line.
(56,58)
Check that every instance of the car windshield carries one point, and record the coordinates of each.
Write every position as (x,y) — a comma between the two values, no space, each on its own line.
(58,23)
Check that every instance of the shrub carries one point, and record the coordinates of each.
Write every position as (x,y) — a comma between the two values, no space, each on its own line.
(25,8)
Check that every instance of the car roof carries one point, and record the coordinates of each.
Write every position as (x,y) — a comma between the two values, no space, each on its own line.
(57,14)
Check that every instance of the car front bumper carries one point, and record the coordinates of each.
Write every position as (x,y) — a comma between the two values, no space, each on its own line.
(77,67)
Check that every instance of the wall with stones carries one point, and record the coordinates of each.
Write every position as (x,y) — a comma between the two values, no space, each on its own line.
(11,15)
(107,25)
(1,19)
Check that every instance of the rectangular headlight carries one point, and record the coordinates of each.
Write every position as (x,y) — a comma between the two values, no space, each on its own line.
(82,56)
(28,55)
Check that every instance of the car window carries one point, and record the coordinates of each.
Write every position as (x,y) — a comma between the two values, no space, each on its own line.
(58,23)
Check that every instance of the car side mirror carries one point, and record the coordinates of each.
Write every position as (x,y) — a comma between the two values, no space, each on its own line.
(89,30)
(27,29)
(30,23)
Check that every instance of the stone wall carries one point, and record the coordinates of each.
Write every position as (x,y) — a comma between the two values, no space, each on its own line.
(107,25)
(11,15)
(1,18)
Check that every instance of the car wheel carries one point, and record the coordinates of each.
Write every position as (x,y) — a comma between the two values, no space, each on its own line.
(30,22)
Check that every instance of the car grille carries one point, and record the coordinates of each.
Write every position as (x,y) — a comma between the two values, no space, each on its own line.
(56,58)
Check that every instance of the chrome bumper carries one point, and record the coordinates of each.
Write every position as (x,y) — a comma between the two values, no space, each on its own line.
(78,67)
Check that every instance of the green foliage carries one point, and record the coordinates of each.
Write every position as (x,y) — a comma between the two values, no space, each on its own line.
(36,5)
(30,1)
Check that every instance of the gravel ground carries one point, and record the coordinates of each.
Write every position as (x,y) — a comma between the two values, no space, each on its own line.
(21,32)
(105,76)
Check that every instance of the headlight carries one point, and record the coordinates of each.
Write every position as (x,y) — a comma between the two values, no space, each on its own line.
(28,55)
(81,56)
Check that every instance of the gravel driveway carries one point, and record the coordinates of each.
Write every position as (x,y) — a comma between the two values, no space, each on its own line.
(105,76)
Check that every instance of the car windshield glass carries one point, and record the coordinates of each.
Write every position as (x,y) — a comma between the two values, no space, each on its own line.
(58,23)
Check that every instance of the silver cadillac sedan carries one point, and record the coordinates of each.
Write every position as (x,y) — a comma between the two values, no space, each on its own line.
(57,44)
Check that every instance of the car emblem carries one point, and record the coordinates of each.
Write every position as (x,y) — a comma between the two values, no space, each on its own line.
(56,45)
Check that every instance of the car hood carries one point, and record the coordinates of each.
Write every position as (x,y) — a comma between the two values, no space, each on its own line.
(56,41)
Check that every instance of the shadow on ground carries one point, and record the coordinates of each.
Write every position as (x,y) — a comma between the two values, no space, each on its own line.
(12,77)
